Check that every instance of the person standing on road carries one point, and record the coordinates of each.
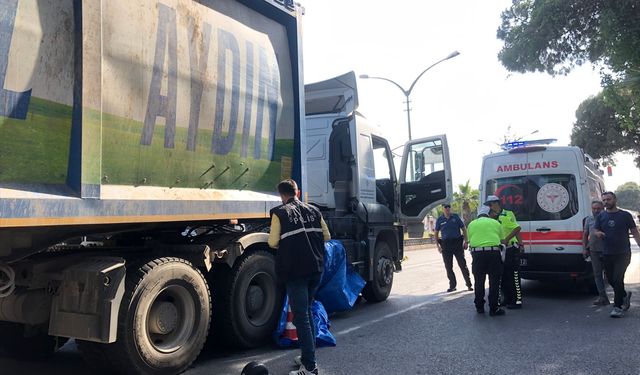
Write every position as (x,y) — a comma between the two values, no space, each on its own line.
(298,231)
(510,238)
(613,226)
(485,235)
(593,248)
(451,239)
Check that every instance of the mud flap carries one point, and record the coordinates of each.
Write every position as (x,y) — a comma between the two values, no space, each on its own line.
(86,303)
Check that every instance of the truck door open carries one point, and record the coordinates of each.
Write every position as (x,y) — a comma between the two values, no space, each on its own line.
(425,181)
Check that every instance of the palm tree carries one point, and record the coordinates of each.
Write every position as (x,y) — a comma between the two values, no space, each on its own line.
(467,199)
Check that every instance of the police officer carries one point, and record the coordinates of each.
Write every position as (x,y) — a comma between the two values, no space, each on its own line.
(485,235)
(510,283)
(452,243)
(298,232)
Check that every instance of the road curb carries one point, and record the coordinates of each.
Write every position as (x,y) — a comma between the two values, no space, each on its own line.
(422,246)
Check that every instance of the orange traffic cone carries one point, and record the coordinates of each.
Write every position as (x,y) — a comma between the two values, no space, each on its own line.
(290,329)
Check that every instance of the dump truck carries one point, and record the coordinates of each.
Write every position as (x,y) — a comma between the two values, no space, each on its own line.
(140,146)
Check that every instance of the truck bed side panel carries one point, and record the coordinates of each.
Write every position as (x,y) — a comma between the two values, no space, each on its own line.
(151,111)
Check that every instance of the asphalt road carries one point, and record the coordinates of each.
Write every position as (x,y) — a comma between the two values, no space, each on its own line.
(423,330)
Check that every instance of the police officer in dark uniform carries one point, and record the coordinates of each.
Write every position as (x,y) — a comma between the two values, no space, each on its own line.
(451,238)
(299,232)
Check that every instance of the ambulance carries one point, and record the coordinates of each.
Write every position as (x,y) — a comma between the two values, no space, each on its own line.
(550,190)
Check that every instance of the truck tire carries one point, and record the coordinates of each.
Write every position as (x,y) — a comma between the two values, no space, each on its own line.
(163,321)
(378,289)
(16,341)
(248,301)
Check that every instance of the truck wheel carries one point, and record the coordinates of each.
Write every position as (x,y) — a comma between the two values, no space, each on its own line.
(163,320)
(378,289)
(21,342)
(248,302)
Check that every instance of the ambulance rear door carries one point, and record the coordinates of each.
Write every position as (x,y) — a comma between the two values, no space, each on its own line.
(505,175)
(553,194)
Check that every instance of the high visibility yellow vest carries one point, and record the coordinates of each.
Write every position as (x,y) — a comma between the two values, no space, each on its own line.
(484,232)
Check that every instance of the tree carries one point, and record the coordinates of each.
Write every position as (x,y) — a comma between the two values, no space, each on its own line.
(598,131)
(555,36)
(466,201)
(629,196)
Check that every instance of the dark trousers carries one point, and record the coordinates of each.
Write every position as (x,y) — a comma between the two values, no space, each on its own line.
(510,283)
(486,263)
(301,292)
(451,248)
(615,266)
(596,264)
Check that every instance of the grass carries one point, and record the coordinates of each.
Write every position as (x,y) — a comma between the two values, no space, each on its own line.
(36,150)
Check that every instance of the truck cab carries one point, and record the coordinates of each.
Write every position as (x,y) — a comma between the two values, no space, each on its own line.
(351,176)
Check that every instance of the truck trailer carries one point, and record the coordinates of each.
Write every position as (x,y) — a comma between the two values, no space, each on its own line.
(140,146)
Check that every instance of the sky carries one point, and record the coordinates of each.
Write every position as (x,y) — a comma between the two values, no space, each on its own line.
(469,98)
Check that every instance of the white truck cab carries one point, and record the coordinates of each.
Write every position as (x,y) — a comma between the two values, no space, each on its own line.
(350,162)
(349,173)
(550,190)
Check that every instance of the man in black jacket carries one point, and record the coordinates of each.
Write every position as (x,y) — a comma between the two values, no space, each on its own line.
(298,232)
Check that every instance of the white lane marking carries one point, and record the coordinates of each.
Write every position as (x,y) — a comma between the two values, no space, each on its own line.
(391,315)
(267,359)
(431,299)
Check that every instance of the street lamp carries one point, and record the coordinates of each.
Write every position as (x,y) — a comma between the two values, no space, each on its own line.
(407,93)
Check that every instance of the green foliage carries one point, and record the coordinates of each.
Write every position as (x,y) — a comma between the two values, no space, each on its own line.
(554,36)
(629,196)
(599,132)
(550,36)
(466,201)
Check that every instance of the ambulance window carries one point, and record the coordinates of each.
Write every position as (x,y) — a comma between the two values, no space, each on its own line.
(537,197)
(511,191)
(552,197)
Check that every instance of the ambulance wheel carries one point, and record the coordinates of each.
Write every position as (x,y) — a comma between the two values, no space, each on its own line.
(249,300)
(163,321)
(378,289)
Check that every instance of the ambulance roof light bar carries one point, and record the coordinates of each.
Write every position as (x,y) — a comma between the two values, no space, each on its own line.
(519,144)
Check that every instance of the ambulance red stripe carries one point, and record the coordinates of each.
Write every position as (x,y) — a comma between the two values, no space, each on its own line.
(552,235)
(540,243)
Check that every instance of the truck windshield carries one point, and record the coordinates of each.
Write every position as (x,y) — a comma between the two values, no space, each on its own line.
(537,197)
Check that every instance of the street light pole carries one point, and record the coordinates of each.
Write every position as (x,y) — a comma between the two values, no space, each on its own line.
(408,114)
(407,93)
